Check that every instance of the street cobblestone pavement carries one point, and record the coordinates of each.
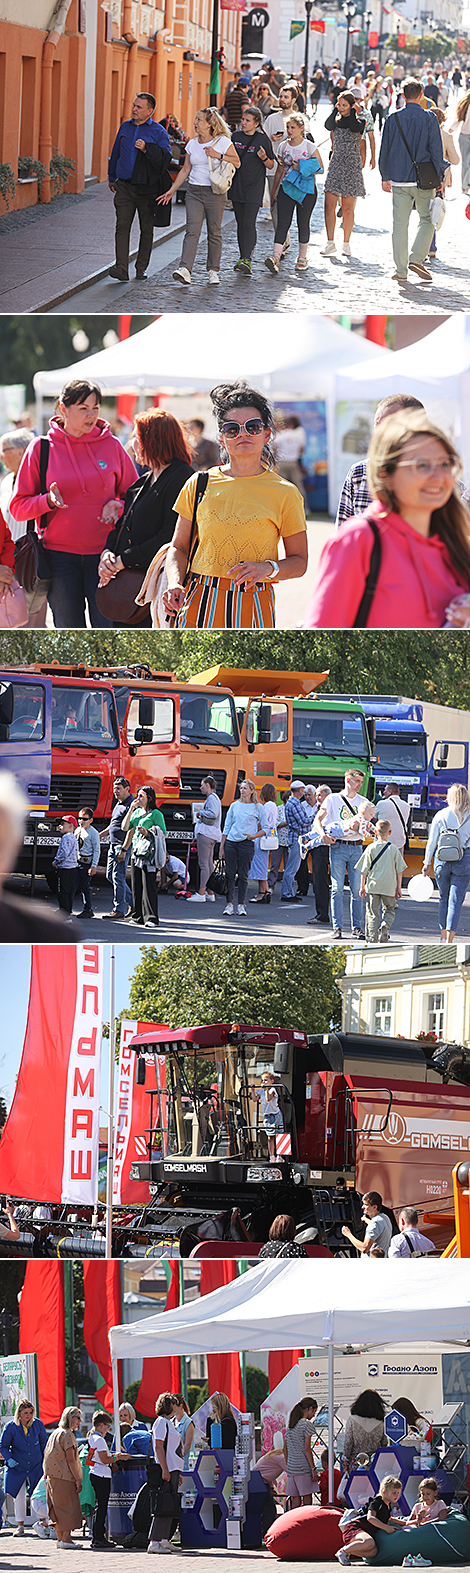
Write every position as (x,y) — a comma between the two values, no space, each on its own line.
(32,1555)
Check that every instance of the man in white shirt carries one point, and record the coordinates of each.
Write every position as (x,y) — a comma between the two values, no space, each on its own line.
(275,127)
(409,1242)
(392,807)
(379,1229)
(353,811)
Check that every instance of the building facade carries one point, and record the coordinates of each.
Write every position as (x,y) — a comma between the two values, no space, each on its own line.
(408,990)
(69,73)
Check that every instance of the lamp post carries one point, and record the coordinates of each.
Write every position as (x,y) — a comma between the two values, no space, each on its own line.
(367,19)
(214,60)
(308,8)
(349,11)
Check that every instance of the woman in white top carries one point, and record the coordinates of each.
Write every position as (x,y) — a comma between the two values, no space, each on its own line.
(208,830)
(452,879)
(245,821)
(260,864)
(211,140)
(462,124)
(294,150)
(168,1453)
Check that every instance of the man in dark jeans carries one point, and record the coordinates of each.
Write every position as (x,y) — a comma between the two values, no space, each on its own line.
(66,863)
(116,869)
(140,156)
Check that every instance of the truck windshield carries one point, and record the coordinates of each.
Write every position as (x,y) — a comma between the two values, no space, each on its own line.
(400,753)
(28,713)
(209,718)
(319,731)
(83,718)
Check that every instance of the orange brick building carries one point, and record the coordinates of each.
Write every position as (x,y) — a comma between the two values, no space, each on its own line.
(68,79)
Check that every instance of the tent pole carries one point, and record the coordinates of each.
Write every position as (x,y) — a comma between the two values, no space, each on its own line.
(117,1423)
(331,1429)
(109,1171)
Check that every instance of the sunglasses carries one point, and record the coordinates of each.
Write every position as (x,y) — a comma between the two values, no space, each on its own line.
(234,428)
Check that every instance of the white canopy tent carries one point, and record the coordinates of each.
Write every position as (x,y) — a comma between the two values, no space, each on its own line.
(284,1305)
(285,357)
(436,370)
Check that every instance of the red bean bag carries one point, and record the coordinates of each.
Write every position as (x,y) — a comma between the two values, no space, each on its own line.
(308,1534)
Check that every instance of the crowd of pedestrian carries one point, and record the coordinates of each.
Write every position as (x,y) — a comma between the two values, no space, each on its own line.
(257,148)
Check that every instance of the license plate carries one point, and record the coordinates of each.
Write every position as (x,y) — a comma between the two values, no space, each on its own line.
(42,841)
(179,835)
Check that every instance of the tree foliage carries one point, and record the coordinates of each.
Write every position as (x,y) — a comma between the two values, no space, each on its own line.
(268,986)
(422,665)
(44,343)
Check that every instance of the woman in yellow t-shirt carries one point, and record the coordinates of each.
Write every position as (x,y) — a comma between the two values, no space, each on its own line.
(245,511)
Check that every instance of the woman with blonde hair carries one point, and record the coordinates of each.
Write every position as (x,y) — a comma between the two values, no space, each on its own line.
(246,820)
(449,844)
(22,1445)
(212,140)
(462,124)
(223,1416)
(405,562)
(63,1472)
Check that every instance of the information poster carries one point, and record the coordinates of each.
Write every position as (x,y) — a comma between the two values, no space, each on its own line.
(18,1379)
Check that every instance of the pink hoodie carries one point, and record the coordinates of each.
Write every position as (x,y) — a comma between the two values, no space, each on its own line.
(90,471)
(415,584)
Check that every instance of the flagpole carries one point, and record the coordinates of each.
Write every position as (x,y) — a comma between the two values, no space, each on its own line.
(109,1170)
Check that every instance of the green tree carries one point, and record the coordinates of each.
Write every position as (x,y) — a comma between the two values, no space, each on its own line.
(272,986)
(12,1280)
(257,1389)
(44,343)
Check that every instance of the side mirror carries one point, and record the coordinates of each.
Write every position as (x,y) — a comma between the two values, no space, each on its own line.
(141,1071)
(146,712)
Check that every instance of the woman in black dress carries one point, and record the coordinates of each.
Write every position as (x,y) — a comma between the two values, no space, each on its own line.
(344,180)
(148,520)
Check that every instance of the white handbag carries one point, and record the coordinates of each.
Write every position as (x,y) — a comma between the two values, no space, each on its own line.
(221,174)
(269,842)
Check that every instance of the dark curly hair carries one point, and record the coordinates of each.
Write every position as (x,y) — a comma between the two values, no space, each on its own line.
(369,1405)
(228,396)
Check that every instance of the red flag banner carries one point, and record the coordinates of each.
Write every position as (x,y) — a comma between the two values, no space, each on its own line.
(42,1332)
(133,1115)
(102,1286)
(49,1148)
(223,1370)
(162,1375)
(317,27)
(401,40)
(280,1363)
(373,40)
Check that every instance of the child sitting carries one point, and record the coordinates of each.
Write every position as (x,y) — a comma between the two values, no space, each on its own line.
(324,1496)
(271,1113)
(429,1505)
(358,1536)
(381,876)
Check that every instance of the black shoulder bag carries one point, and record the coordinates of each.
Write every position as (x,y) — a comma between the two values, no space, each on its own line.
(165,1502)
(31,564)
(427,177)
(360,620)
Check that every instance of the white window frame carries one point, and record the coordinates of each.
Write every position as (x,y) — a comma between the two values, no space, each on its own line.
(389,995)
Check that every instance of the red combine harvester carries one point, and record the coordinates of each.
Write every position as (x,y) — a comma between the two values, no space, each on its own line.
(359,1113)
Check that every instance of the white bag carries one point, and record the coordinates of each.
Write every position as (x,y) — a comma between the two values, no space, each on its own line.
(269,842)
(437,212)
(221,174)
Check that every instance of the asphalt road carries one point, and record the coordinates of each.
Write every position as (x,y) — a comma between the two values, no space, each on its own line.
(194,923)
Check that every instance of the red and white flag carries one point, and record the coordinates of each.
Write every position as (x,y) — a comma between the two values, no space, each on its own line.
(49,1148)
(132,1120)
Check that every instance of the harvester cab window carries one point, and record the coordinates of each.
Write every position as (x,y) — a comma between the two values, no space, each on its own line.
(207,718)
(162,725)
(329,732)
(28,712)
(84,718)
(210,1111)
(266,722)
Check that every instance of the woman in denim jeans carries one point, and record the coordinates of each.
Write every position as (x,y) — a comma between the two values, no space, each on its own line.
(452,879)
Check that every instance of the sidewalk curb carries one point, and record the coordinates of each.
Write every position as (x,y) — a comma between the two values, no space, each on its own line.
(102,273)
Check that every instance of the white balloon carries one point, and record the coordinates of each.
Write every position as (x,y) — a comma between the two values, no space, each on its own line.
(420,888)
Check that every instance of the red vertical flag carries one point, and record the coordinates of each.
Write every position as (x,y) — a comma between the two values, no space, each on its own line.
(280,1363)
(375,330)
(162,1375)
(102,1285)
(223,1370)
(42,1332)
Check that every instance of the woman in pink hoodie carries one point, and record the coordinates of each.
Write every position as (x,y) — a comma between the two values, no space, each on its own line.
(421,530)
(88,473)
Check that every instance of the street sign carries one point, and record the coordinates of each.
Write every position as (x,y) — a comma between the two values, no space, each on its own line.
(395,1426)
(259,17)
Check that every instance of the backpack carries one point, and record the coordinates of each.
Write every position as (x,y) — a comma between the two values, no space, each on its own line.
(449,849)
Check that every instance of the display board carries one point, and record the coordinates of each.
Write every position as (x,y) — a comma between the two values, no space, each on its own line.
(18,1380)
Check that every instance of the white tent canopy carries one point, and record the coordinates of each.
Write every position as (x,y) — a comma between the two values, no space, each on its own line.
(436,370)
(284,356)
(286,1305)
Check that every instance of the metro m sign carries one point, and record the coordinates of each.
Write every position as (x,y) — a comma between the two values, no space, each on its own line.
(81,1126)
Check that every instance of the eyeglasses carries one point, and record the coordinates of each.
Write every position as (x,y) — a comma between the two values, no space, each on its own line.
(424,469)
(234,428)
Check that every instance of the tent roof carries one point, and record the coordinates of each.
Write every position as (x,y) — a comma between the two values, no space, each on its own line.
(434,365)
(283,1305)
(284,356)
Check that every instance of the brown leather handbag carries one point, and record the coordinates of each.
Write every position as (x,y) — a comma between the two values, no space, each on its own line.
(116,600)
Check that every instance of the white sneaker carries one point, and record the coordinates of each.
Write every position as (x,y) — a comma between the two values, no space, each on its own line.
(241,912)
(346,249)
(196,898)
(228,910)
(153,1548)
(210,895)
(41,1531)
(19,1530)
(329,249)
(182,276)
(165,1545)
(213,279)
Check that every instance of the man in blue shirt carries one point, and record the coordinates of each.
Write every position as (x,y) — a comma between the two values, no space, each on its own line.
(116,870)
(299,817)
(140,157)
(397,164)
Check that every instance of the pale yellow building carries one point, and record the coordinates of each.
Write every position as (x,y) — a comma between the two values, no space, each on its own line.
(408,990)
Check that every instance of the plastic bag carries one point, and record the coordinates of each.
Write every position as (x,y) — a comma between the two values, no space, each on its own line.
(437,212)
